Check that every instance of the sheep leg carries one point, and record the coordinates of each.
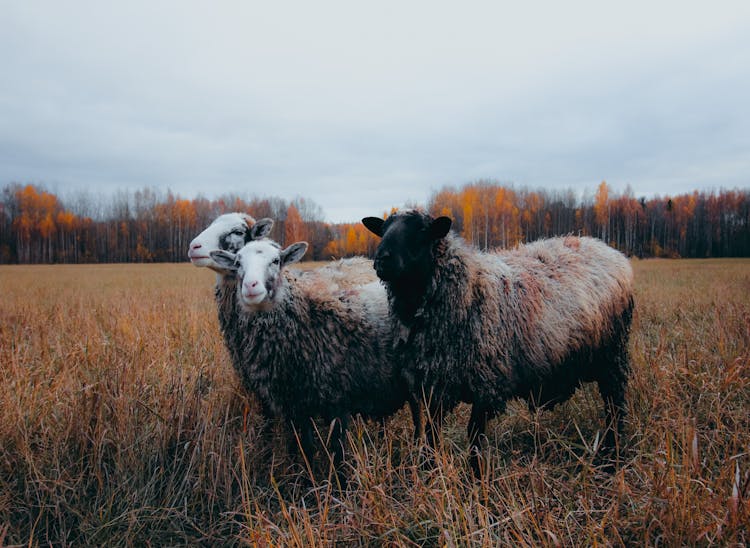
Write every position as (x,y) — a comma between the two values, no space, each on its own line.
(266,425)
(476,431)
(435,425)
(337,437)
(613,380)
(612,387)
(416,418)
(614,404)
(436,407)
(335,444)
(308,444)
(302,429)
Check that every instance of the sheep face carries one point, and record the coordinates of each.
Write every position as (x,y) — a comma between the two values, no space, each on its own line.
(228,232)
(405,251)
(259,266)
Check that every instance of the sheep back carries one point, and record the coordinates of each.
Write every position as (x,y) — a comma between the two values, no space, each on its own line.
(531,322)
(318,353)
(351,279)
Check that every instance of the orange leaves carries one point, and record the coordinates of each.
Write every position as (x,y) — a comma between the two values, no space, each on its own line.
(35,222)
(37,211)
(46,226)
(294,228)
(35,226)
(66,220)
(696,224)
(184,210)
(351,239)
(484,214)
(601,210)
(601,202)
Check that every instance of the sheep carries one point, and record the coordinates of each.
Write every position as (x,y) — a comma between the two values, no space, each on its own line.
(307,352)
(482,328)
(228,232)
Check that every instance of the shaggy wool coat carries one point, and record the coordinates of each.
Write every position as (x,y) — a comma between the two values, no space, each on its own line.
(322,350)
(531,322)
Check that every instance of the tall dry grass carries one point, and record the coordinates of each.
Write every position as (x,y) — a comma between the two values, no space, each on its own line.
(122,423)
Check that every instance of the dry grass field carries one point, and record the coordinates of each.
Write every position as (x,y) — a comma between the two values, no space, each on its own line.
(122,423)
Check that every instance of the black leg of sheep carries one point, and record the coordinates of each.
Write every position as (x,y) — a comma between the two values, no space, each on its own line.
(301,441)
(613,382)
(436,414)
(337,438)
(416,417)
(612,388)
(477,437)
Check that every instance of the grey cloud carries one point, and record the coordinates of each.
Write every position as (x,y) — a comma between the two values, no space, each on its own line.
(364,110)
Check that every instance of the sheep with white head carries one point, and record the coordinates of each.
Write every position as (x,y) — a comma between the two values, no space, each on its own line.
(307,352)
(228,232)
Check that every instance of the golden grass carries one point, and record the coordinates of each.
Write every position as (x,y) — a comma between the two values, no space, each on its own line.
(122,423)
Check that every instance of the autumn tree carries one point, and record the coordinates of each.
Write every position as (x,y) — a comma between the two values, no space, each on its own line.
(150,225)
(601,210)
(34,225)
(294,228)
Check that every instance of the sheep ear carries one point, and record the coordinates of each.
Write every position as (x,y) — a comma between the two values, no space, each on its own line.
(374,225)
(293,253)
(439,227)
(225,259)
(261,228)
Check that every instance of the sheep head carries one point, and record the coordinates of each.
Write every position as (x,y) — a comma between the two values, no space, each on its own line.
(228,232)
(405,251)
(259,267)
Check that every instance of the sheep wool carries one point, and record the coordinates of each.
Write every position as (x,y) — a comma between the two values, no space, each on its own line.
(533,322)
(307,346)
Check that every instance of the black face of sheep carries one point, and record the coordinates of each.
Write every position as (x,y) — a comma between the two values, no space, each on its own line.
(405,252)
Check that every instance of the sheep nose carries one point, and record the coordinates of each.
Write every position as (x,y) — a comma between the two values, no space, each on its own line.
(251,285)
(195,245)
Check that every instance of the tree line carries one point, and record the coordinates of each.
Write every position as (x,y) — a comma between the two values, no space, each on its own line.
(696,224)
(37,226)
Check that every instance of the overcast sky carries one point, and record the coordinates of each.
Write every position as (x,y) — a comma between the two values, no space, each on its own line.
(365,105)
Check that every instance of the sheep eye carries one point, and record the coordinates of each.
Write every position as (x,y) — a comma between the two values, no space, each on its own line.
(276,260)
(238,232)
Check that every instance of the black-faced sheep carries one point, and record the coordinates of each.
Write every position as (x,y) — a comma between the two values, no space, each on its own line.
(483,328)
(307,352)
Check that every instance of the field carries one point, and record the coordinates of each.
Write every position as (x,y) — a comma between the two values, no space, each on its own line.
(122,423)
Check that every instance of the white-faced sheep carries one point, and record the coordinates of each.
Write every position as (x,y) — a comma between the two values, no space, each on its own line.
(307,352)
(483,328)
(228,232)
